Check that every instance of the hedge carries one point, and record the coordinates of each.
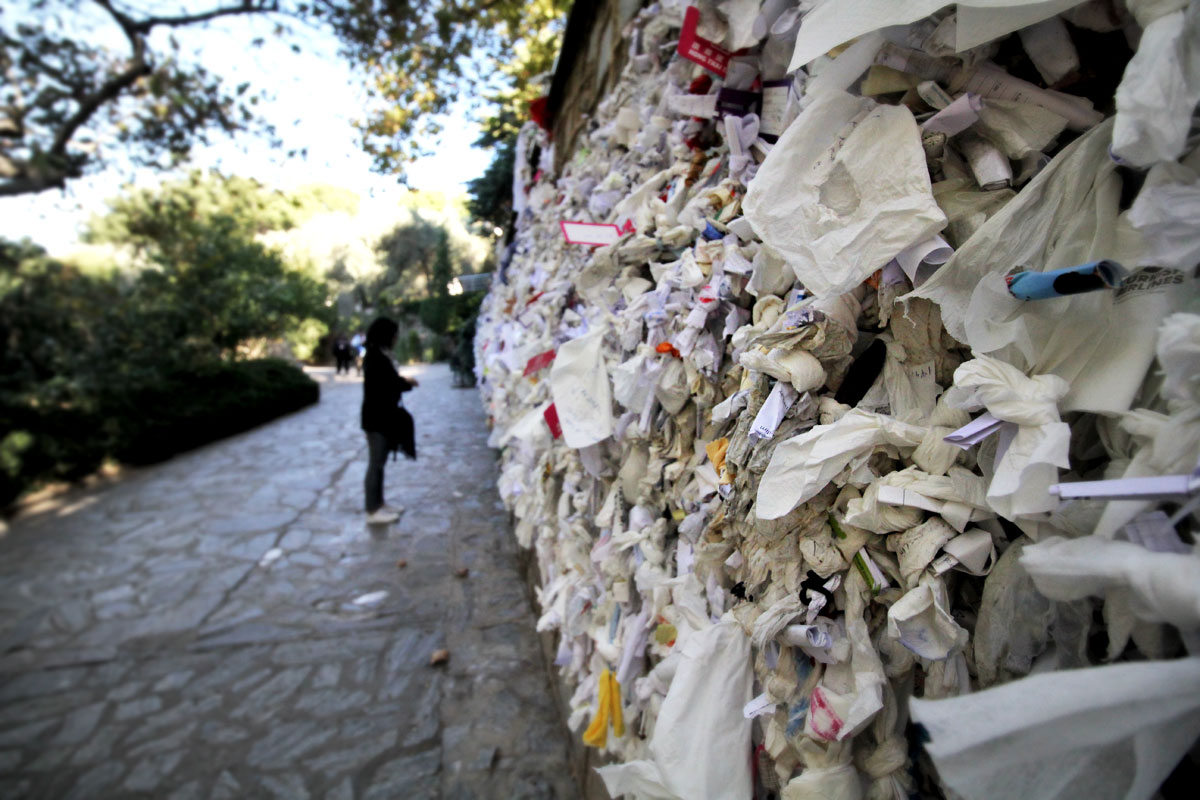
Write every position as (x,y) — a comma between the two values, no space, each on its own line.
(148,422)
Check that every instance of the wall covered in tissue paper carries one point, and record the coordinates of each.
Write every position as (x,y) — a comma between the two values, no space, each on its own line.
(790,453)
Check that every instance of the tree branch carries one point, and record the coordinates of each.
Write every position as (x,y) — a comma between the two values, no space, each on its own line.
(110,90)
(10,187)
(144,26)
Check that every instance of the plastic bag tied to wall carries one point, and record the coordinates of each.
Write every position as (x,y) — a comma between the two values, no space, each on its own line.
(793,469)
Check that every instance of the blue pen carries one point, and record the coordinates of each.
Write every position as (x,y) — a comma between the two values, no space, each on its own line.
(1089,277)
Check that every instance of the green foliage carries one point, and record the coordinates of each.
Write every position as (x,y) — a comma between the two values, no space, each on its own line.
(421,57)
(409,252)
(305,339)
(411,347)
(491,193)
(74,104)
(150,217)
(207,402)
(136,366)
(145,421)
(211,285)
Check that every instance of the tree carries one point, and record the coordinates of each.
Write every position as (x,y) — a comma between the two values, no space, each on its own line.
(210,284)
(69,103)
(421,58)
(491,193)
(409,253)
(89,368)
(147,216)
(68,100)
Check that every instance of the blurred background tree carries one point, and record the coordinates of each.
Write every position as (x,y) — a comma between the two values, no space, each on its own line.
(421,58)
(208,284)
(71,102)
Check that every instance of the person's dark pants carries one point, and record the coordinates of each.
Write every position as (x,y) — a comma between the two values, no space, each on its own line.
(377,453)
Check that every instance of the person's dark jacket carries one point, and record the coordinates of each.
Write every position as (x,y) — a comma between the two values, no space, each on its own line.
(381,411)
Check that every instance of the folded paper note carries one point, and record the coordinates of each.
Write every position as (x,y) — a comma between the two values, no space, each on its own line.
(540,361)
(594,233)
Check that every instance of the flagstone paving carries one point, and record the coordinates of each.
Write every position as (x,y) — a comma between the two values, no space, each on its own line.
(226,625)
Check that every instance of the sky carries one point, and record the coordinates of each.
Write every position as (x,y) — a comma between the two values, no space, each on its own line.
(315,97)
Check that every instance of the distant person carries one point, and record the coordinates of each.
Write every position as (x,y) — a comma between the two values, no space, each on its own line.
(358,350)
(341,355)
(387,425)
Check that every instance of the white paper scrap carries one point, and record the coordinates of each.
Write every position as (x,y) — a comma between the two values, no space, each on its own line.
(974,431)
(956,117)
(758,707)
(1160,486)
(773,410)
(919,261)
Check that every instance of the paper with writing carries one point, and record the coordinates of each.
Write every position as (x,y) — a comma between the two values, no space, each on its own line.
(579,383)
(774,106)
(781,398)
(694,105)
(956,117)
(695,48)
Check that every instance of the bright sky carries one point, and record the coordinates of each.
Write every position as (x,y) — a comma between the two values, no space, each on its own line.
(314,98)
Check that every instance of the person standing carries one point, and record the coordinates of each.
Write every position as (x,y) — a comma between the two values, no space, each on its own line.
(381,414)
(341,354)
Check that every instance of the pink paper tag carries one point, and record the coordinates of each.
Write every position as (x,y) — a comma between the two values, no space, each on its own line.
(693,47)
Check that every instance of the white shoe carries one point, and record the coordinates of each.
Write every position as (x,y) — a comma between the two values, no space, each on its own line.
(392,508)
(381,516)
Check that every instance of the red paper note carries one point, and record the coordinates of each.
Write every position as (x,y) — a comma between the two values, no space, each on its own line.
(540,361)
(709,55)
(551,415)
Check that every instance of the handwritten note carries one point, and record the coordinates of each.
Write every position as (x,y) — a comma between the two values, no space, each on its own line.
(582,395)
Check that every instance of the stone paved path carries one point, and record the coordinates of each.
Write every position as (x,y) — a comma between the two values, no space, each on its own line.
(225,625)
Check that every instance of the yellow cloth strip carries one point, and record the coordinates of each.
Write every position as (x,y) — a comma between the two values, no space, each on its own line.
(608,709)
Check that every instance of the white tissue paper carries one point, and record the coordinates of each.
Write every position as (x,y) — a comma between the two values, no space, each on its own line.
(1105,733)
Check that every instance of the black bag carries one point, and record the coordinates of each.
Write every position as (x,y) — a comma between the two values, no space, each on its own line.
(402,434)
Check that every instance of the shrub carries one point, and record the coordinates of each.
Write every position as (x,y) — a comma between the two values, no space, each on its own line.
(189,408)
(413,346)
(144,421)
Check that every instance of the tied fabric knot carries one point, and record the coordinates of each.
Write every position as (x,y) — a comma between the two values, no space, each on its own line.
(1027,460)
(608,709)
(741,133)
(1007,392)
